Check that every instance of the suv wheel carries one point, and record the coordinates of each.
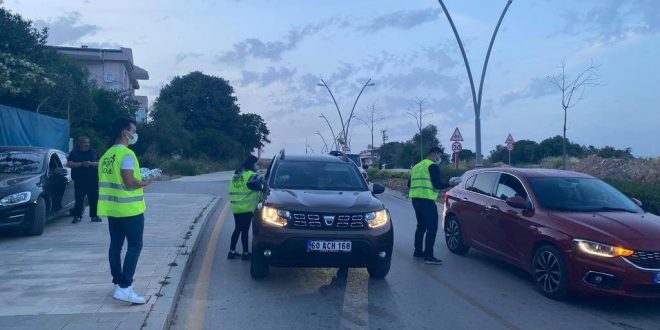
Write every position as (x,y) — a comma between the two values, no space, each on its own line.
(259,268)
(381,269)
(36,218)
(549,272)
(454,236)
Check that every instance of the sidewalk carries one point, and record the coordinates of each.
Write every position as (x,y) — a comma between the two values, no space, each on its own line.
(61,280)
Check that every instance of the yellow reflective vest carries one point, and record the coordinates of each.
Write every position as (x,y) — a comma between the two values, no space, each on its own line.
(116,199)
(243,200)
(420,181)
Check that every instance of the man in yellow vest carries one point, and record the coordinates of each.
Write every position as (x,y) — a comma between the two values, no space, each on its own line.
(243,203)
(121,199)
(424,186)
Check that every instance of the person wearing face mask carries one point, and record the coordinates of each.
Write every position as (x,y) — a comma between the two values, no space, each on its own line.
(425,184)
(121,199)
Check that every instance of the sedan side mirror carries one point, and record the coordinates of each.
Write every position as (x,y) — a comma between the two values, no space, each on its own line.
(518,203)
(638,202)
(378,189)
(455,181)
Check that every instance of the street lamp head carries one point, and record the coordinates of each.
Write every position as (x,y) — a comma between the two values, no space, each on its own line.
(320,85)
(371,84)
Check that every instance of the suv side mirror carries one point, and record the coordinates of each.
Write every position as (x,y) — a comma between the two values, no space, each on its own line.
(365,167)
(518,203)
(638,202)
(378,189)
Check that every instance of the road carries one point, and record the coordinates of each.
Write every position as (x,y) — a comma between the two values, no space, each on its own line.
(469,292)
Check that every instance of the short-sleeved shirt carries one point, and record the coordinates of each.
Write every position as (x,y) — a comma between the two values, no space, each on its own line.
(128,163)
(84,173)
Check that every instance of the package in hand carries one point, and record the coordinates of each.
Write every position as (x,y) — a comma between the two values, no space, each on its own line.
(150,174)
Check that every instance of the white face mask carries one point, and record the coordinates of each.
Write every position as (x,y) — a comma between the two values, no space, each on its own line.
(133,139)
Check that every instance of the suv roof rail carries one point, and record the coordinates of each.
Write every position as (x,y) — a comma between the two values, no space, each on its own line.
(282,154)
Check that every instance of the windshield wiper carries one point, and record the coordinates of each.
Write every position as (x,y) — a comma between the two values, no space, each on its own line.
(611,209)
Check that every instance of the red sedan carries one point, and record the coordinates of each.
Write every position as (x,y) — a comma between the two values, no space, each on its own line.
(570,231)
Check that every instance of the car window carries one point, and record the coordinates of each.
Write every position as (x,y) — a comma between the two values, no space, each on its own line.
(314,175)
(54,163)
(484,183)
(470,182)
(21,162)
(509,186)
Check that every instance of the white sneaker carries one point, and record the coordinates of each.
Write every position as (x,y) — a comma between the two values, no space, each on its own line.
(128,295)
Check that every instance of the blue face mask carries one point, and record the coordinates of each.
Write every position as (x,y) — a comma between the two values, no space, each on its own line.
(133,139)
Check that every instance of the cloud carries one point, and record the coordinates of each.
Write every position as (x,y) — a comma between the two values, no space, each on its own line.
(403,19)
(66,29)
(539,87)
(614,20)
(184,56)
(263,79)
(422,77)
(273,50)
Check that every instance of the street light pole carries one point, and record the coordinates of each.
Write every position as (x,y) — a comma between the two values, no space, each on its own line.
(334,137)
(368,83)
(476,100)
(341,118)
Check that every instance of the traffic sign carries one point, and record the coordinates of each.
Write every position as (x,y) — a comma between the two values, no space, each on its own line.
(510,140)
(456,136)
(509,147)
(456,147)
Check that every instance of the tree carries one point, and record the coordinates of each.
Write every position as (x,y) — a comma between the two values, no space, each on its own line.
(419,116)
(370,119)
(611,152)
(572,92)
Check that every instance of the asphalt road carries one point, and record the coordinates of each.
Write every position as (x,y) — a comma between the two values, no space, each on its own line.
(469,292)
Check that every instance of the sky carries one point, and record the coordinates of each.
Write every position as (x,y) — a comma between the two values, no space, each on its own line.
(274,53)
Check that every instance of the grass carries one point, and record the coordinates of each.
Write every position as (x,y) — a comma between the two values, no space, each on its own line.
(185,166)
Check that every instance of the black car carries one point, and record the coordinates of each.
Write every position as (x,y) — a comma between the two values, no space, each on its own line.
(318,211)
(35,187)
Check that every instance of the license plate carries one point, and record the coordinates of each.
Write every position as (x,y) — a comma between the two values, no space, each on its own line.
(656,278)
(329,246)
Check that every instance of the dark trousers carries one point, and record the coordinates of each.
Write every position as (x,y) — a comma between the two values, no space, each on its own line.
(131,230)
(242,221)
(427,223)
(89,188)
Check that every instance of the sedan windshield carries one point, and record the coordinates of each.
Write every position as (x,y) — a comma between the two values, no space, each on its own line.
(312,175)
(581,195)
(21,162)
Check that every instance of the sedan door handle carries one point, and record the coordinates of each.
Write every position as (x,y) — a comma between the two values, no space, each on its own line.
(492,208)
(465,199)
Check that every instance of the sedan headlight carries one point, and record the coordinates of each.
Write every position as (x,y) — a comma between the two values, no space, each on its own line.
(14,199)
(602,250)
(274,217)
(377,219)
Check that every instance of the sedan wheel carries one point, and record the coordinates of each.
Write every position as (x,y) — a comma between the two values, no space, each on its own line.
(549,272)
(454,236)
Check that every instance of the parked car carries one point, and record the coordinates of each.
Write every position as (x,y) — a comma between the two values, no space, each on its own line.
(318,211)
(35,187)
(570,231)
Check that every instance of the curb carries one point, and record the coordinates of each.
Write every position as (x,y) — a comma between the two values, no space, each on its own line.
(160,315)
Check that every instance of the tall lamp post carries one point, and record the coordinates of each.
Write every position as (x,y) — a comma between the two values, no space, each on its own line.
(476,98)
(345,125)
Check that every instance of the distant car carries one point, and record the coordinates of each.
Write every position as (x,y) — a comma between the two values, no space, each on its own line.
(34,188)
(355,158)
(318,211)
(570,231)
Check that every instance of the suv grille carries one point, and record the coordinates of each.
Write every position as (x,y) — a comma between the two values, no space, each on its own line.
(649,260)
(327,220)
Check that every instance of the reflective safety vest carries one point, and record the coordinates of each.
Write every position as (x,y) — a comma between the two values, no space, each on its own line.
(116,199)
(420,181)
(243,200)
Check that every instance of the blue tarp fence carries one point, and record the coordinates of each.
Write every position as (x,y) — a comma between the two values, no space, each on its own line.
(26,128)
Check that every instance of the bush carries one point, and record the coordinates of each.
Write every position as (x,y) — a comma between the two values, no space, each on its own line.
(647,193)
(185,166)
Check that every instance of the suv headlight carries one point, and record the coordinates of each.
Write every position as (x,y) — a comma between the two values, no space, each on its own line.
(377,219)
(275,217)
(14,199)
(602,250)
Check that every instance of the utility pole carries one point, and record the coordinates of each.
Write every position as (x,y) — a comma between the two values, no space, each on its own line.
(476,100)
(383,133)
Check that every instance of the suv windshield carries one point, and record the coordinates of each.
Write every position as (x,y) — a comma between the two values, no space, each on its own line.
(314,175)
(581,195)
(21,162)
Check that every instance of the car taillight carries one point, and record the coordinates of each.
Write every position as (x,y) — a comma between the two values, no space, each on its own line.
(446,197)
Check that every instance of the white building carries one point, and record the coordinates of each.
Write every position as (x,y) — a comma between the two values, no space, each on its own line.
(112,69)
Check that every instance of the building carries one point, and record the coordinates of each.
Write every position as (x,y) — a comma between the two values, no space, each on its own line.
(369,157)
(112,69)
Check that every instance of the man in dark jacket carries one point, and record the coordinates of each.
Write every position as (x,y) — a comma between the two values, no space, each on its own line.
(83,162)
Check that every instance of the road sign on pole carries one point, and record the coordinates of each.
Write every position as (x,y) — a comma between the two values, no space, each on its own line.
(510,140)
(456,136)
(456,147)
